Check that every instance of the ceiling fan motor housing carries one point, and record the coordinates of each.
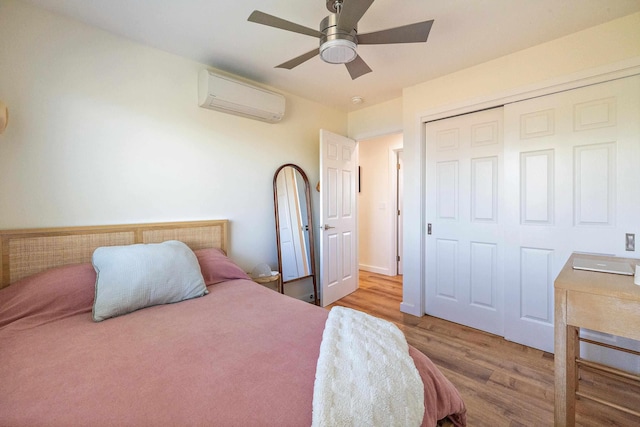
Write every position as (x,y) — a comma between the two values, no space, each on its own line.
(337,46)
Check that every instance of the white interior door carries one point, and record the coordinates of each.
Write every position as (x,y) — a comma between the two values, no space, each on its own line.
(572,161)
(466,247)
(338,217)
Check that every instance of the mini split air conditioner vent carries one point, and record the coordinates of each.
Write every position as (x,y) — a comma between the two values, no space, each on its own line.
(231,96)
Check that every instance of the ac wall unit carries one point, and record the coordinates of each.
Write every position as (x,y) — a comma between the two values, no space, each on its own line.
(235,97)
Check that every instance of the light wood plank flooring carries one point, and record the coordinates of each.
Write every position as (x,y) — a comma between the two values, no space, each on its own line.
(502,383)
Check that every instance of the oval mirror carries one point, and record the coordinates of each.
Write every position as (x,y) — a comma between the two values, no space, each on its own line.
(294,226)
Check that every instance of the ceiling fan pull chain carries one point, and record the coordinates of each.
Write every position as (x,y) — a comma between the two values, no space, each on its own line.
(337,6)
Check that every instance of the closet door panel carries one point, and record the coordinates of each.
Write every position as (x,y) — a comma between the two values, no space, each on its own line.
(465,249)
(572,171)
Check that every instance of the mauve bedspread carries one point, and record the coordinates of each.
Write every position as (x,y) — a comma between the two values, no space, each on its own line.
(242,355)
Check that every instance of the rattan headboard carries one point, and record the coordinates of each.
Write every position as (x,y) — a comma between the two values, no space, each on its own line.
(30,251)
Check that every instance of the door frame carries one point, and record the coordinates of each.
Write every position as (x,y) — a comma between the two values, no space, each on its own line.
(621,69)
(393,201)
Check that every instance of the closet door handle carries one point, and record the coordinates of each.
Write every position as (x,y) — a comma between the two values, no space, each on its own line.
(326,227)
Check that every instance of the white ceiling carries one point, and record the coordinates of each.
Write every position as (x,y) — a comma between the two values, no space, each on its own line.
(465,33)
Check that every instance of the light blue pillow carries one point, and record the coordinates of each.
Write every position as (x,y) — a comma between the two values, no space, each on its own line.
(136,276)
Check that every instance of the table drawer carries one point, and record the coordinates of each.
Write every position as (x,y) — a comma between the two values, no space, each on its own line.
(604,314)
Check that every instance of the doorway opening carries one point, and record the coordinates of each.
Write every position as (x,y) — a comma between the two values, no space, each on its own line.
(379,204)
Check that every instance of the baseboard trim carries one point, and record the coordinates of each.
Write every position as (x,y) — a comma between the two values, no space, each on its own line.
(410,309)
(374,269)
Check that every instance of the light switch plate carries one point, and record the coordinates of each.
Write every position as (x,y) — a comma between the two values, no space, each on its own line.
(630,242)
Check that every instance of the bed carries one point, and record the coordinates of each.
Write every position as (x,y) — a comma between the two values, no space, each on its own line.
(240,354)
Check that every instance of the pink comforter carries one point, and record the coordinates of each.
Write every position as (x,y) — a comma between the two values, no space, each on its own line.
(242,355)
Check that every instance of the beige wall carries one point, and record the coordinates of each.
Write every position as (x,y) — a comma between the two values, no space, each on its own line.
(376,120)
(104,131)
(612,45)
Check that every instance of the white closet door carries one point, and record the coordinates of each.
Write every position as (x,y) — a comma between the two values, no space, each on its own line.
(572,169)
(465,251)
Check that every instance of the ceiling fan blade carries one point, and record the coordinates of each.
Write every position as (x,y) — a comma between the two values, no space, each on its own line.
(273,21)
(412,33)
(299,59)
(357,68)
(351,12)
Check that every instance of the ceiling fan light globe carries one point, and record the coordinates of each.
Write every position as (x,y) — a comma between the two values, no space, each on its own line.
(338,51)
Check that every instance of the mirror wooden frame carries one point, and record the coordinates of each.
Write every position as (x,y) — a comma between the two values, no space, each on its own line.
(312,260)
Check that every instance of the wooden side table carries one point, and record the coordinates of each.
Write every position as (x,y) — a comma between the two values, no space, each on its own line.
(275,276)
(608,303)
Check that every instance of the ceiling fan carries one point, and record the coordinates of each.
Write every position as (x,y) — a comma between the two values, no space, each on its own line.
(339,36)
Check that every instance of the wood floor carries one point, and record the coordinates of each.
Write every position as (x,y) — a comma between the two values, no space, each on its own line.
(502,383)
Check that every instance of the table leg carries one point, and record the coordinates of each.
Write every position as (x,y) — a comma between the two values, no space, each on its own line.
(567,350)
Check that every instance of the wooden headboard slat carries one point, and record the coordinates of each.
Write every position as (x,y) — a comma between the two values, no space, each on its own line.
(29,251)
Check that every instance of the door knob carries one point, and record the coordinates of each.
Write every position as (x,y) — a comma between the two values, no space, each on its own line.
(326,227)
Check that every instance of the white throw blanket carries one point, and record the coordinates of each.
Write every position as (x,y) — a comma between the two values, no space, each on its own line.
(365,375)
